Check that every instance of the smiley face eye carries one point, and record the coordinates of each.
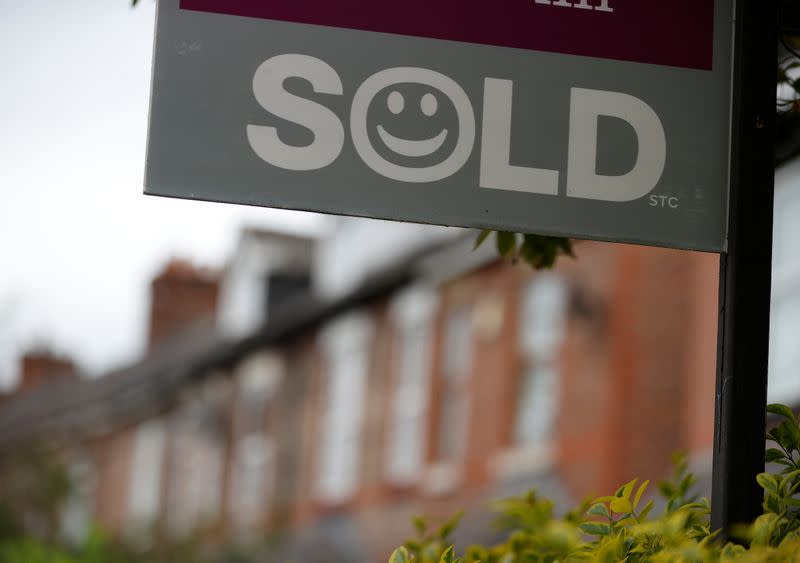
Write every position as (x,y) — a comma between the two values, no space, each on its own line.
(395,102)
(428,104)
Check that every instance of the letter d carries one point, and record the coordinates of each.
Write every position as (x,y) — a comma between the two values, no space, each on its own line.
(586,106)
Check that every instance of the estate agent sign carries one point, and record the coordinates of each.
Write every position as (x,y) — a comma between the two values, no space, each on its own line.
(603,119)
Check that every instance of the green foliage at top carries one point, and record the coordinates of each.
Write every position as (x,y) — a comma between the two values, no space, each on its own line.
(620,527)
(539,251)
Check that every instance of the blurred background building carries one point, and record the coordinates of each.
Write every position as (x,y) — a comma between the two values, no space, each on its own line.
(315,394)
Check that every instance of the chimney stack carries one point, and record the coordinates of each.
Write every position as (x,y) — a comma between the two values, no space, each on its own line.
(181,295)
(41,367)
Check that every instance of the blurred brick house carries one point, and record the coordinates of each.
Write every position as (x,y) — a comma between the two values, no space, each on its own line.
(321,392)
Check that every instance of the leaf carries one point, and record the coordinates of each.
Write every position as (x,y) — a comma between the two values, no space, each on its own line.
(732,551)
(595,528)
(639,494)
(768,482)
(599,509)
(477,553)
(773,454)
(786,434)
(763,527)
(790,478)
(697,505)
(772,504)
(627,488)
(625,522)
(448,527)
(484,234)
(506,243)
(782,410)
(686,483)
(400,555)
(420,525)
(646,510)
(621,505)
(793,432)
(539,251)
(448,556)
(565,245)
(629,543)
(666,489)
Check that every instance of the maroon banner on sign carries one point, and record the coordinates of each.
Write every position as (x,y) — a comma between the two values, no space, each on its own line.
(675,33)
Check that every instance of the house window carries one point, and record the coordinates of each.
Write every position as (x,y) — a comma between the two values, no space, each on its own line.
(77,511)
(144,492)
(543,322)
(784,383)
(253,474)
(412,313)
(345,346)
(196,460)
(258,378)
(454,396)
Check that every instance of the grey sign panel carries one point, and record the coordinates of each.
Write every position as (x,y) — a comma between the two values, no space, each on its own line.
(627,146)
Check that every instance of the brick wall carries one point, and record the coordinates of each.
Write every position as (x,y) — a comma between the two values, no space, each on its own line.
(636,383)
(636,379)
(113,457)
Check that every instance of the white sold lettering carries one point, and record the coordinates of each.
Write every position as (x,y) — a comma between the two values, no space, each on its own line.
(586,106)
(496,171)
(323,123)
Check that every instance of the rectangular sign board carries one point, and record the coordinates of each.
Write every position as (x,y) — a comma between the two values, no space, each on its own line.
(601,119)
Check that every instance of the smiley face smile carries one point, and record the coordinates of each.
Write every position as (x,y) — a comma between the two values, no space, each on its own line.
(404,147)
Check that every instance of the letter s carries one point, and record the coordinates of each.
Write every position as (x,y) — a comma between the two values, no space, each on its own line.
(324,124)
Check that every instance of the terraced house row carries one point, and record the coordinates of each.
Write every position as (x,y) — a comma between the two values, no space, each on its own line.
(321,392)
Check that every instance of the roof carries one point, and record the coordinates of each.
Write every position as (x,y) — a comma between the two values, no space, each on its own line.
(148,387)
(95,406)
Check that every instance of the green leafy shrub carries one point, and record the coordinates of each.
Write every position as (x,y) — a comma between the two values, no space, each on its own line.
(539,251)
(96,549)
(99,548)
(620,527)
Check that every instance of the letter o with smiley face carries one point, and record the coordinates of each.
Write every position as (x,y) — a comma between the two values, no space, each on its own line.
(412,148)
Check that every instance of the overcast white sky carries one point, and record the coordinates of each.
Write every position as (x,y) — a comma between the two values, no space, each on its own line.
(78,240)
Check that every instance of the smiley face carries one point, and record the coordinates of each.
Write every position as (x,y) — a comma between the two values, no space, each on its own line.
(429,105)
(412,124)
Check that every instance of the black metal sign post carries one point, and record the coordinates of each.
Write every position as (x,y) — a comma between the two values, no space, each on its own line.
(745,272)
